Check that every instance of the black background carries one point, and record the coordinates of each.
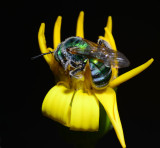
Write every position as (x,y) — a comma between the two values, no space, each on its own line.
(25,82)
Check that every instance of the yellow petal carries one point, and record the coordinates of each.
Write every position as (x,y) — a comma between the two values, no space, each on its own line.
(80,22)
(57,32)
(130,74)
(109,102)
(103,38)
(109,24)
(43,46)
(84,112)
(114,73)
(114,70)
(109,36)
(56,104)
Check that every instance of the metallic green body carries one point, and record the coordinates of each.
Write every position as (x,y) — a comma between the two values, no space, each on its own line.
(99,72)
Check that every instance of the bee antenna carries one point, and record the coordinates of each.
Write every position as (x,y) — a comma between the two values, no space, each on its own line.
(35,57)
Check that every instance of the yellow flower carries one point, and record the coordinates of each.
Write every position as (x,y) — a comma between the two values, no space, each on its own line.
(73,102)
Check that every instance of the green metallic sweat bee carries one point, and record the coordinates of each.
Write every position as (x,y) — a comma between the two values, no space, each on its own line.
(76,52)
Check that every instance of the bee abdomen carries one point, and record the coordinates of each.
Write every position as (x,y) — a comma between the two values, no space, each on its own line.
(100,73)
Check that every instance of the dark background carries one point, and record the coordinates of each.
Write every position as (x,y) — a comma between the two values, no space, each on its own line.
(25,82)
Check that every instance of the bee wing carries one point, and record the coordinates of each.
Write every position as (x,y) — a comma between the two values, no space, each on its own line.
(110,57)
(115,59)
(104,53)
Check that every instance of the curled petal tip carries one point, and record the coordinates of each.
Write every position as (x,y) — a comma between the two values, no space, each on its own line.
(80,22)
(151,59)
(82,13)
(43,25)
(109,37)
(59,19)
(41,29)
(109,102)
(130,74)
(57,32)
(42,42)
(109,23)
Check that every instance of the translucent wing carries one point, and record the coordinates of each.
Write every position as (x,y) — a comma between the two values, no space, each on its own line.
(103,52)
(115,59)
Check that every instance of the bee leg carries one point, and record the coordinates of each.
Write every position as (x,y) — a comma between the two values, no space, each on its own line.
(73,64)
(75,71)
(100,41)
(104,43)
(66,65)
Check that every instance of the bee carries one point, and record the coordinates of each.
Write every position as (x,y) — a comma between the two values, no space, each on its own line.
(76,52)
